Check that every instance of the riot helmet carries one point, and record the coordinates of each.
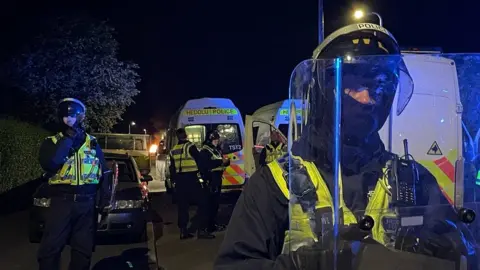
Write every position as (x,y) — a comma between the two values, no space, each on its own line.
(71,108)
(371,71)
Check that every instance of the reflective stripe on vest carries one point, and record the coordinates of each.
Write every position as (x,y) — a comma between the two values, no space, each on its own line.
(301,233)
(184,162)
(80,169)
(215,156)
(273,152)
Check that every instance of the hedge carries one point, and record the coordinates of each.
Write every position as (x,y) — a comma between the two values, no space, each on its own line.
(19,149)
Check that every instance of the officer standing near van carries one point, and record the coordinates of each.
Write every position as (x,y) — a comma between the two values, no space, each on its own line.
(214,167)
(274,150)
(76,168)
(184,169)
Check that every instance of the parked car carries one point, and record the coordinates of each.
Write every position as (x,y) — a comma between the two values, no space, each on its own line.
(128,215)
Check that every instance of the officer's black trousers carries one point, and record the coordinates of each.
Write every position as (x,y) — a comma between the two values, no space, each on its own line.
(215,190)
(214,202)
(68,220)
(189,190)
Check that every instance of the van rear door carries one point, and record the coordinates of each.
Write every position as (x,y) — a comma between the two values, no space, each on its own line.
(257,136)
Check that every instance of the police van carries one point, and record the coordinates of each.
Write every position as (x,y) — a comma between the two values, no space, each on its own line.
(431,123)
(197,117)
(278,114)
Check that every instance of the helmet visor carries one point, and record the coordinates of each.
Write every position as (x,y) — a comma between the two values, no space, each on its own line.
(70,109)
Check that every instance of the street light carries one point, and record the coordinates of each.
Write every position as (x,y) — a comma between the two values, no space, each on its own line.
(358,14)
(145,131)
(130,125)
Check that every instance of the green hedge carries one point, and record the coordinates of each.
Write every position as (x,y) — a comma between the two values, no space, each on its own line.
(19,146)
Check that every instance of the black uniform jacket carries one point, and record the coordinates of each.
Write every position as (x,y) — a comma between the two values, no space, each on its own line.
(208,164)
(256,231)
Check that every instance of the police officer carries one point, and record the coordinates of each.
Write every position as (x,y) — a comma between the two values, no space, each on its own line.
(183,172)
(214,165)
(274,150)
(75,164)
(261,233)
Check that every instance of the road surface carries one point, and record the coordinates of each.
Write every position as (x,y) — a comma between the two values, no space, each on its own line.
(16,253)
(157,172)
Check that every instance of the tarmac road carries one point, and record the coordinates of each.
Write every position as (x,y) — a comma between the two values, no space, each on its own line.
(17,253)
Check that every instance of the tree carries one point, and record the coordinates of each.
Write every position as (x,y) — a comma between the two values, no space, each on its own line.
(75,57)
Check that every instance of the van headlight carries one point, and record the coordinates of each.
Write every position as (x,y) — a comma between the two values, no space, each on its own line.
(128,204)
(41,202)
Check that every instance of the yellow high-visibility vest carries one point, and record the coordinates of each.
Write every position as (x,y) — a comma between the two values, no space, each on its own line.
(80,169)
(273,153)
(184,162)
(300,232)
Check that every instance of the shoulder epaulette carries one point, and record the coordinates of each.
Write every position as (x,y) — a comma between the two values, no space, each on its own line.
(58,136)
(55,137)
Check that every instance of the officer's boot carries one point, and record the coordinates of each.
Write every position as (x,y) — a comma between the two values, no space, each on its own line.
(184,234)
(205,234)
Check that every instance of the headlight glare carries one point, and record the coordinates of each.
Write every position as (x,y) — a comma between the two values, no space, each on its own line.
(41,202)
(128,204)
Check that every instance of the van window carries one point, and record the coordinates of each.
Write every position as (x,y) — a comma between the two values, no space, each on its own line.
(196,134)
(230,137)
(284,129)
(125,143)
(140,145)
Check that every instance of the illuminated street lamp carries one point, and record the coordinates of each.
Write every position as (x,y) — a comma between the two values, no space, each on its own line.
(130,125)
(358,14)
(145,131)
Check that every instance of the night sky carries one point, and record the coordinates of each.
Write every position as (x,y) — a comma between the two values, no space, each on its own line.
(242,50)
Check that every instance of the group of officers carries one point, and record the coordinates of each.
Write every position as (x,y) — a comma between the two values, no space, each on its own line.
(285,209)
(197,177)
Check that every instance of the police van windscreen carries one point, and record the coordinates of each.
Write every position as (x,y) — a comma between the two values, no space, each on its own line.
(230,138)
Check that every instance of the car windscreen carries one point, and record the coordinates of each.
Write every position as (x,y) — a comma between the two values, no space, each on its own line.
(126,171)
(230,137)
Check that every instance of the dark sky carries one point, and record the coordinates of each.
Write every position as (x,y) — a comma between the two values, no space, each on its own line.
(243,50)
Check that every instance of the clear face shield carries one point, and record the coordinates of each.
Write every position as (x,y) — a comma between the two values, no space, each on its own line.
(356,204)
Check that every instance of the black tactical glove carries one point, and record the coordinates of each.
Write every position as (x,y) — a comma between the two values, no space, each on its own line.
(316,257)
(445,241)
(226,162)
